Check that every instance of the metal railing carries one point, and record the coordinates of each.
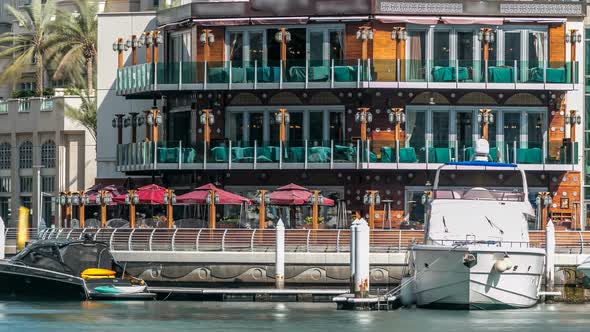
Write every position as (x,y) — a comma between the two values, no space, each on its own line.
(253,240)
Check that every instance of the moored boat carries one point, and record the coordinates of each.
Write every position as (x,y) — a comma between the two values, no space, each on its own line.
(67,270)
(477,253)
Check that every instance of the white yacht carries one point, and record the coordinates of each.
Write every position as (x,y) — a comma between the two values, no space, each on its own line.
(476,253)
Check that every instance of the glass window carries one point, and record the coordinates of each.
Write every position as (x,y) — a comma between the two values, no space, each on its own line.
(536,49)
(26,184)
(48,184)
(336,42)
(5,184)
(236,126)
(337,126)
(181,122)
(295,133)
(316,120)
(48,211)
(256,127)
(416,45)
(440,129)
(48,154)
(415,129)
(26,155)
(535,130)
(236,48)
(464,129)
(26,201)
(256,47)
(316,47)
(511,48)
(5,156)
(511,128)
(441,48)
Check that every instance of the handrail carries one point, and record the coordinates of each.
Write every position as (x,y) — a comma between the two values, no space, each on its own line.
(251,240)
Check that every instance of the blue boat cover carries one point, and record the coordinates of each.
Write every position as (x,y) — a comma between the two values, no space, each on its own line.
(481,163)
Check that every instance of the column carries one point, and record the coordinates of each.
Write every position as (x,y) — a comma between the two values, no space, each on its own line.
(326,126)
(246,126)
(35,203)
(14,174)
(59,176)
(266,127)
(305,125)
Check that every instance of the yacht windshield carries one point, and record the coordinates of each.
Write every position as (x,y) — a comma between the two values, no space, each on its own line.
(479,194)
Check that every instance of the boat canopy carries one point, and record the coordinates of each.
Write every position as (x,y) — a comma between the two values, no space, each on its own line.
(70,257)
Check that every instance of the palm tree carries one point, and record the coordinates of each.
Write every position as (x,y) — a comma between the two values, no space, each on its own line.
(74,42)
(28,47)
(85,114)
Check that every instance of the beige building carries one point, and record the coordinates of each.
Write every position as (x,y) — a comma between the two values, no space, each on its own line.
(35,132)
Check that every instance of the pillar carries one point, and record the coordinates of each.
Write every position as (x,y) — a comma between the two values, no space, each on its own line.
(280,256)
(549,256)
(361,275)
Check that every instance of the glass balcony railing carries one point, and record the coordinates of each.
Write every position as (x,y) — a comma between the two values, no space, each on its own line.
(312,153)
(3,107)
(335,73)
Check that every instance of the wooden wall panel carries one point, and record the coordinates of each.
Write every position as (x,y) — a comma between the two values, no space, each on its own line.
(557,45)
(216,52)
(352,45)
(556,135)
(568,183)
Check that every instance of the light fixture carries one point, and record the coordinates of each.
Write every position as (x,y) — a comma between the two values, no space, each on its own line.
(396,115)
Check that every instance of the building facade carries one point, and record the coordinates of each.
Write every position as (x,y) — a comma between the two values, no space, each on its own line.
(378,95)
(35,135)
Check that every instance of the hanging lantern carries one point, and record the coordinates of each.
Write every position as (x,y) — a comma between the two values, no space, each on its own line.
(150,119)
(159,119)
(211,119)
(279,36)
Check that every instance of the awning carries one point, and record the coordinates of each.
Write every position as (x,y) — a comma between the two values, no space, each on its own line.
(535,20)
(472,20)
(408,19)
(222,21)
(280,20)
(339,18)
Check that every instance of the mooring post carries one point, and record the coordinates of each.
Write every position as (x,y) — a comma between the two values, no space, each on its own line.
(549,256)
(353,253)
(280,255)
(2,238)
(361,276)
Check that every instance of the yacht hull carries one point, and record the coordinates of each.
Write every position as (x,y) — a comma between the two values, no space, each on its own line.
(585,268)
(20,282)
(444,279)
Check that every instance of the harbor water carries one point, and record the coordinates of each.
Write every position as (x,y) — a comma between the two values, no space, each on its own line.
(284,317)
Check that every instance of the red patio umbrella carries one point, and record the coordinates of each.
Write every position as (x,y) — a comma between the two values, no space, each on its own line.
(151,194)
(199,196)
(147,195)
(210,195)
(112,189)
(293,194)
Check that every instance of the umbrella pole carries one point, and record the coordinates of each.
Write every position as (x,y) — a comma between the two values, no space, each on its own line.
(103,215)
(170,210)
(262,210)
(314,210)
(132,215)
(212,213)
(81,210)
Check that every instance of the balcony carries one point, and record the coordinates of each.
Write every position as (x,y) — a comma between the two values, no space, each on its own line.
(392,74)
(310,154)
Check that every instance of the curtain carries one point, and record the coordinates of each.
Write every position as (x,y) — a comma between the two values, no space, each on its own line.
(416,65)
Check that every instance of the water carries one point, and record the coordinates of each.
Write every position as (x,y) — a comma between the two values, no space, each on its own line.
(286,317)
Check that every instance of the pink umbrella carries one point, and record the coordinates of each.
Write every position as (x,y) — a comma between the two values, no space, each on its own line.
(293,194)
(150,195)
(199,196)
(113,190)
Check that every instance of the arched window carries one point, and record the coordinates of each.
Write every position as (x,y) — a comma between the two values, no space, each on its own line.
(5,155)
(25,155)
(48,154)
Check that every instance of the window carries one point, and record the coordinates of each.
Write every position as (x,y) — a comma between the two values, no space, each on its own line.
(511,48)
(5,210)
(318,124)
(5,184)
(442,48)
(464,128)
(416,129)
(5,156)
(318,44)
(26,155)
(47,184)
(48,154)
(440,129)
(511,127)
(416,50)
(26,201)
(26,184)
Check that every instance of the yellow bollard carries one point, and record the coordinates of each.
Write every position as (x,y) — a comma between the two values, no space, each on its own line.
(23,228)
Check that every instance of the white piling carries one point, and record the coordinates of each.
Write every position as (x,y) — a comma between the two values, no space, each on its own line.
(549,256)
(2,238)
(280,255)
(361,275)
(352,253)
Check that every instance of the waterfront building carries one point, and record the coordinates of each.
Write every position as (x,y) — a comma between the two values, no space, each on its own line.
(377,93)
